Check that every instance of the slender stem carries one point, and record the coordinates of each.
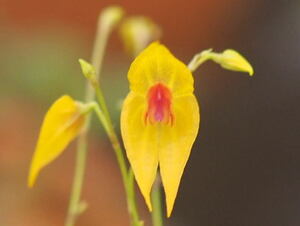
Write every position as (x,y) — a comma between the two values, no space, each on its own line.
(128,178)
(132,207)
(199,59)
(74,204)
(102,102)
(92,88)
(157,219)
(97,58)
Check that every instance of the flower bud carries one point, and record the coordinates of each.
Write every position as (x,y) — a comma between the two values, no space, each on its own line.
(137,33)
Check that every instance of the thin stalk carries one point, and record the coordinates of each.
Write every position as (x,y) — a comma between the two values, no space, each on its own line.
(92,89)
(127,176)
(157,217)
(132,207)
(102,102)
(75,203)
(199,59)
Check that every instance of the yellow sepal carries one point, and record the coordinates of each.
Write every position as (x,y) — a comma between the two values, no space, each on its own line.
(62,123)
(175,144)
(140,143)
(157,64)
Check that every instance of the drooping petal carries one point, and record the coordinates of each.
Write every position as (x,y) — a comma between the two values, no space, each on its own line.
(157,65)
(140,143)
(61,125)
(175,145)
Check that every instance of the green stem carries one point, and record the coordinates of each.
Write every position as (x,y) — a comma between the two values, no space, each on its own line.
(75,203)
(102,102)
(132,207)
(157,219)
(128,178)
(92,89)
(199,59)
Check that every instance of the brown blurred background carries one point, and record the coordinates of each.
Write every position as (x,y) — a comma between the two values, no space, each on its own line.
(245,166)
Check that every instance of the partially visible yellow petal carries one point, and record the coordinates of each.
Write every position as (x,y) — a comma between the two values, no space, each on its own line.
(175,145)
(137,32)
(232,60)
(156,64)
(140,143)
(62,123)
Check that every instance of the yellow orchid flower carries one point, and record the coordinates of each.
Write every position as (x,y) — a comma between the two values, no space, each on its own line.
(62,123)
(159,120)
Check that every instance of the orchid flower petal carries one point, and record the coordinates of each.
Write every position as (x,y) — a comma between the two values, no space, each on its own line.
(140,144)
(62,123)
(157,64)
(176,142)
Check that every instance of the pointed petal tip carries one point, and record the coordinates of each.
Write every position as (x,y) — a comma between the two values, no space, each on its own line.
(251,72)
(31,180)
(169,212)
(170,205)
(148,202)
(30,184)
(248,68)
(33,174)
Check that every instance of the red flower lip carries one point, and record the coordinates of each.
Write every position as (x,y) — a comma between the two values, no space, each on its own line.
(159,105)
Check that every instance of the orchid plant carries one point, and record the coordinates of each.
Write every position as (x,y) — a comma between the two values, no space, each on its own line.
(160,116)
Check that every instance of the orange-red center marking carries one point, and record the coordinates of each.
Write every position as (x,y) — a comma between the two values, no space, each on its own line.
(159,105)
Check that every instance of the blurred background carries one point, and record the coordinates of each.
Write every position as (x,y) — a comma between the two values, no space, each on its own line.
(244,167)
